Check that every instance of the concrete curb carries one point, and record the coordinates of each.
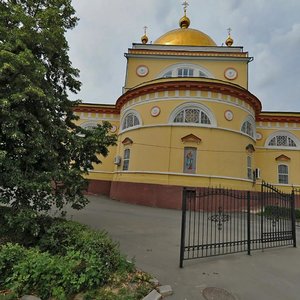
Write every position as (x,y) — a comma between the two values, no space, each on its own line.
(160,292)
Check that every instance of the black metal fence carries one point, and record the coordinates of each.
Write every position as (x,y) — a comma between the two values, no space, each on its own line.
(217,221)
(296,192)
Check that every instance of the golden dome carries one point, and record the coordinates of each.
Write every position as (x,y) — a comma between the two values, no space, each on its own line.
(144,39)
(229,41)
(184,22)
(185,37)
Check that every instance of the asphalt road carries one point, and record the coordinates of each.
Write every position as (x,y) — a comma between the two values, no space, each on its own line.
(151,236)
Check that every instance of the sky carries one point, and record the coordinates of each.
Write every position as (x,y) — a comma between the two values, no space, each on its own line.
(268,29)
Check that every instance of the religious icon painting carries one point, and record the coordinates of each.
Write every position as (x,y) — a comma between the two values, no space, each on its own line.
(190,160)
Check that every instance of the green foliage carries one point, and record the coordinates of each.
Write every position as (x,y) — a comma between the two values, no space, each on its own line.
(63,235)
(43,154)
(22,226)
(68,258)
(26,271)
(283,212)
(41,273)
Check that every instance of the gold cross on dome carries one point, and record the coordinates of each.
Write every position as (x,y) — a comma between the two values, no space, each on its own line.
(229,30)
(145,29)
(185,5)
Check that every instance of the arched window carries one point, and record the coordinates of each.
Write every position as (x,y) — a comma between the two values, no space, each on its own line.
(88,125)
(185,70)
(248,127)
(131,119)
(282,139)
(192,113)
(283,174)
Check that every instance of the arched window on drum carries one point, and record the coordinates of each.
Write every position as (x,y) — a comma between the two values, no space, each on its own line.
(131,119)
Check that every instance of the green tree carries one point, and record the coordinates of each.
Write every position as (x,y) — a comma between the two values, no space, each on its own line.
(44,155)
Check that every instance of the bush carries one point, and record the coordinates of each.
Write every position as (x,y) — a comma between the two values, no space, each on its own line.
(75,258)
(283,212)
(45,275)
(27,271)
(10,255)
(100,255)
(23,226)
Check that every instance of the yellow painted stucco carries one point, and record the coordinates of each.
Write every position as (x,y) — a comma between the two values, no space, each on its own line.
(157,144)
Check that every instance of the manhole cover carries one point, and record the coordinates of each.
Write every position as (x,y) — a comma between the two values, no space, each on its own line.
(213,293)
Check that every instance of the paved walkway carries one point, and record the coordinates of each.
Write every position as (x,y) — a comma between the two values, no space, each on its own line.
(152,236)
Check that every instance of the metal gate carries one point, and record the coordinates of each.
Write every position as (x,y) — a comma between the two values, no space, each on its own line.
(218,221)
(296,192)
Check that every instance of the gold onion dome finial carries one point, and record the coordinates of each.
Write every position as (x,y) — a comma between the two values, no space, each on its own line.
(184,22)
(144,38)
(229,41)
(185,36)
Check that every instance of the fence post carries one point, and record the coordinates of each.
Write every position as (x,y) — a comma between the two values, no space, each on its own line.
(293,219)
(262,199)
(183,221)
(248,223)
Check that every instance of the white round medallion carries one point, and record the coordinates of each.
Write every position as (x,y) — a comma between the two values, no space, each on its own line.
(113,129)
(258,136)
(228,115)
(231,73)
(142,70)
(155,111)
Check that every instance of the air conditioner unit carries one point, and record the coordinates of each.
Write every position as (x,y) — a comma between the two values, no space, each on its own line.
(117,160)
(257,173)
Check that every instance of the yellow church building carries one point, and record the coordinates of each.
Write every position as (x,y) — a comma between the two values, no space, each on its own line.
(187,119)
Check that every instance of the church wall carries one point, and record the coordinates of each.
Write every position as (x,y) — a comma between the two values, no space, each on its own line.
(268,158)
(160,149)
(157,66)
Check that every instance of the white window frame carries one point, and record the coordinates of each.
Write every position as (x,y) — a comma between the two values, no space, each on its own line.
(249,167)
(282,133)
(173,71)
(185,72)
(126,159)
(126,115)
(282,175)
(192,105)
(249,120)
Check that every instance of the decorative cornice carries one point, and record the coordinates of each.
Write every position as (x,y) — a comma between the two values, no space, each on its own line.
(278,117)
(187,53)
(127,141)
(210,86)
(282,157)
(97,108)
(191,138)
(250,148)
